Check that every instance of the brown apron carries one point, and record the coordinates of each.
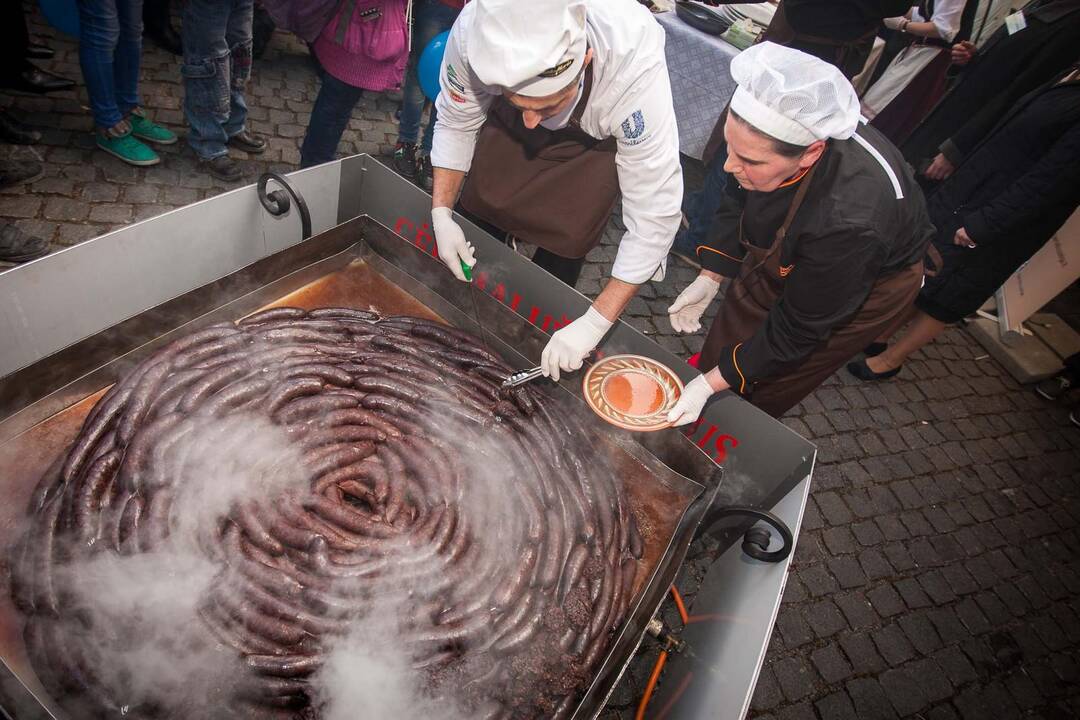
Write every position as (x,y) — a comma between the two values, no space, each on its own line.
(760,284)
(551,188)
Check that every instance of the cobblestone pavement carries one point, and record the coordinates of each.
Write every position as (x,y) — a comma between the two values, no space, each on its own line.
(936,575)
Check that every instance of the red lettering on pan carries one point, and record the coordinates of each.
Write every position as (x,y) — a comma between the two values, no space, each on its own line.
(424,240)
(401,223)
(721,443)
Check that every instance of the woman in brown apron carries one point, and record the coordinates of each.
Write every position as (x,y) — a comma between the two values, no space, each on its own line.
(758,287)
(822,262)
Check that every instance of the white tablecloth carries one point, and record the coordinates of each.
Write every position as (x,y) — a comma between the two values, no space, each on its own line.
(701,83)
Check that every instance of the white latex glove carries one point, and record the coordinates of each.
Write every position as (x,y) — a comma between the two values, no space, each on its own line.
(450,239)
(893,23)
(693,399)
(569,346)
(685,313)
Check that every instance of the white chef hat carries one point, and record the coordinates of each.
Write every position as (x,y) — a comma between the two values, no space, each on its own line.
(793,96)
(530,47)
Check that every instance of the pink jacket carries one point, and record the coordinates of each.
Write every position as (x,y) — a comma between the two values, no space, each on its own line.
(366,43)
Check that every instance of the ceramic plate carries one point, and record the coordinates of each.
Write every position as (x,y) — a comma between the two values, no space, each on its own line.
(632,392)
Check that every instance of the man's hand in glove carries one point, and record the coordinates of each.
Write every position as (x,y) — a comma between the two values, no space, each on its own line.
(569,346)
(685,313)
(450,239)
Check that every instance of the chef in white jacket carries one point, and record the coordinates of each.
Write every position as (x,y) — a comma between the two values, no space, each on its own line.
(548,110)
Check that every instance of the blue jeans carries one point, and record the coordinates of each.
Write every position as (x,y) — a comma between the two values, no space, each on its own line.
(331,113)
(430,17)
(701,206)
(110,46)
(217,65)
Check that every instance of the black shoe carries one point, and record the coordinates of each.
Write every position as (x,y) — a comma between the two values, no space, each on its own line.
(13,172)
(224,168)
(861,370)
(248,142)
(875,348)
(424,173)
(35,80)
(1055,387)
(39,51)
(405,160)
(15,131)
(17,246)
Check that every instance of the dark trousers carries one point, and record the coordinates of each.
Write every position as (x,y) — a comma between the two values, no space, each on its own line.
(331,114)
(14,39)
(568,270)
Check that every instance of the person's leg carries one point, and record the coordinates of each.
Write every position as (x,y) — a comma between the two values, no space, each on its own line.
(126,73)
(412,101)
(238,37)
(566,269)
(922,330)
(439,18)
(206,76)
(157,21)
(99,33)
(331,113)
(128,54)
(14,38)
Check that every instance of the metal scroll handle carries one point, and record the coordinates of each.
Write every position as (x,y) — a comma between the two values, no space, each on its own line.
(756,540)
(277,202)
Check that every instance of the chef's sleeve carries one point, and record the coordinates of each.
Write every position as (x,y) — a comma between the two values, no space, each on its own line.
(825,286)
(650,176)
(723,251)
(1052,181)
(462,107)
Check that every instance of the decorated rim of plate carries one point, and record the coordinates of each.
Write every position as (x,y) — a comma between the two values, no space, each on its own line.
(669,382)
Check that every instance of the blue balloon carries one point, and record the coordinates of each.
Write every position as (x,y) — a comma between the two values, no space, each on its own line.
(62,15)
(430,65)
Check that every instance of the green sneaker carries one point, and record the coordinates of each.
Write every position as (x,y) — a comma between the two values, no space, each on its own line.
(145,129)
(128,149)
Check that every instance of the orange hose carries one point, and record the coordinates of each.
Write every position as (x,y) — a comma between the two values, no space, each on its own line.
(679,604)
(651,686)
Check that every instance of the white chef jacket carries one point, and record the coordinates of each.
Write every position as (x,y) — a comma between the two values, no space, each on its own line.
(630,100)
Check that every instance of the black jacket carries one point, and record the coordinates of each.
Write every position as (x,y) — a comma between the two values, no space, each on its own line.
(860,220)
(1005,68)
(1021,180)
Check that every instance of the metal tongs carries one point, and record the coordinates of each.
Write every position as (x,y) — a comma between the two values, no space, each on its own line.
(521,377)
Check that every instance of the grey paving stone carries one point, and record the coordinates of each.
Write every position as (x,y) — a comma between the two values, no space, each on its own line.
(904,692)
(870,699)
(831,664)
(836,706)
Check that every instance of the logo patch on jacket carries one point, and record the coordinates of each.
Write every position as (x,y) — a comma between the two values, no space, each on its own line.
(452,79)
(633,127)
